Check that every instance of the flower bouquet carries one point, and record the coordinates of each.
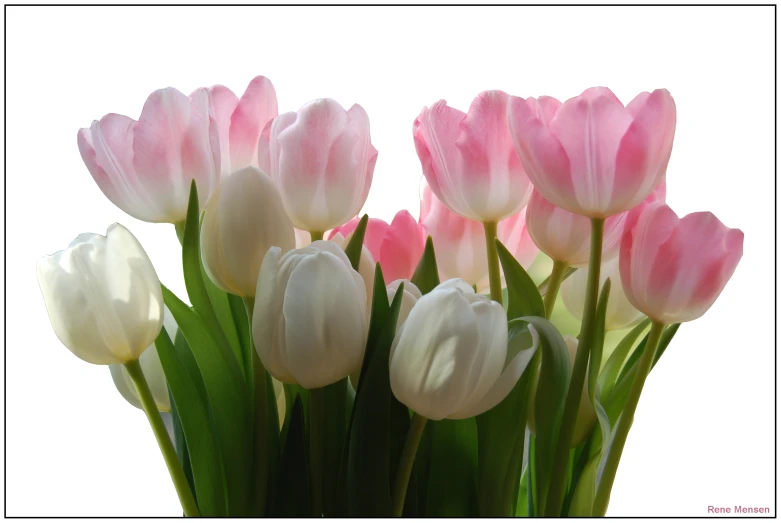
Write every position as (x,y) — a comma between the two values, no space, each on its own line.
(331,365)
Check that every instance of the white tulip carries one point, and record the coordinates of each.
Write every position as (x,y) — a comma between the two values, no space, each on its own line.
(310,322)
(448,358)
(152,369)
(366,266)
(408,300)
(103,296)
(620,313)
(244,217)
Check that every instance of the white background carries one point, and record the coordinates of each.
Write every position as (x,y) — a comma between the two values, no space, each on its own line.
(704,430)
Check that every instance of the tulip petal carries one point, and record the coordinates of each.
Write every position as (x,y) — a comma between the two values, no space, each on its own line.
(402,247)
(257,106)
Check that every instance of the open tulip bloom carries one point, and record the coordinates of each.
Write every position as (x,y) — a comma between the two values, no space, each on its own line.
(335,365)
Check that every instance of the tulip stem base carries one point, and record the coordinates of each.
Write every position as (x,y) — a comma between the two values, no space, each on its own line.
(163,439)
(417,424)
(316,435)
(316,235)
(554,282)
(557,485)
(494,274)
(625,421)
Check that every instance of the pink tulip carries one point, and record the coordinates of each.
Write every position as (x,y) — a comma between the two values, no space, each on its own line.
(591,155)
(322,160)
(566,236)
(459,243)
(145,167)
(469,159)
(397,247)
(674,269)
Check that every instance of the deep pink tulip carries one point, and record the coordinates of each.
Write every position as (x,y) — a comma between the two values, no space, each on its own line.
(674,269)
(397,247)
(469,159)
(322,161)
(566,237)
(459,243)
(591,155)
(145,167)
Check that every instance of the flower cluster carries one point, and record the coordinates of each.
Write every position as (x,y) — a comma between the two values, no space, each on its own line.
(320,348)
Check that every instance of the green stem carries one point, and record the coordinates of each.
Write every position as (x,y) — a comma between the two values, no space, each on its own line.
(163,439)
(554,282)
(417,424)
(316,235)
(557,484)
(625,421)
(494,276)
(316,434)
(259,408)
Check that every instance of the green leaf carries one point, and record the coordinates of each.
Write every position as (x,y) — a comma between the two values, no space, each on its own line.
(665,340)
(220,302)
(334,435)
(452,481)
(551,394)
(543,286)
(244,332)
(180,443)
(523,297)
(368,473)
(501,432)
(522,503)
(585,490)
(228,394)
(355,245)
(292,483)
(595,360)
(609,373)
(426,275)
(193,413)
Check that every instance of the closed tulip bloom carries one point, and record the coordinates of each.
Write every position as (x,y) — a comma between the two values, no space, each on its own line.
(243,219)
(103,296)
(397,247)
(152,369)
(673,269)
(310,322)
(459,243)
(469,159)
(620,313)
(366,266)
(448,358)
(408,300)
(322,161)
(591,155)
(566,237)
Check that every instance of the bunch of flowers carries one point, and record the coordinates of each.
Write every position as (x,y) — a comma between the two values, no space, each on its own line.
(342,366)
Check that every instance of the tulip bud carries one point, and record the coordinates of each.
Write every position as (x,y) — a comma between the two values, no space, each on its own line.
(310,321)
(674,269)
(469,159)
(152,369)
(244,218)
(322,161)
(620,314)
(103,296)
(448,357)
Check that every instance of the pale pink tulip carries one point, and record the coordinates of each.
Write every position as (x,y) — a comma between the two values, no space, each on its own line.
(469,159)
(674,269)
(566,236)
(459,243)
(591,155)
(145,167)
(322,161)
(397,247)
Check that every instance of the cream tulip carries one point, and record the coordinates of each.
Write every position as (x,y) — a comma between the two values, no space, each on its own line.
(310,322)
(244,218)
(103,296)
(408,300)
(366,266)
(448,358)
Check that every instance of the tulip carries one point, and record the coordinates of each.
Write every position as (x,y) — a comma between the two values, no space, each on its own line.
(673,269)
(620,314)
(145,167)
(366,266)
(152,369)
(459,243)
(310,322)
(469,159)
(103,296)
(396,247)
(591,155)
(411,295)
(322,161)
(448,358)
(244,218)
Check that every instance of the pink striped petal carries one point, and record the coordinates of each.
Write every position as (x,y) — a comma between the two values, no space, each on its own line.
(256,107)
